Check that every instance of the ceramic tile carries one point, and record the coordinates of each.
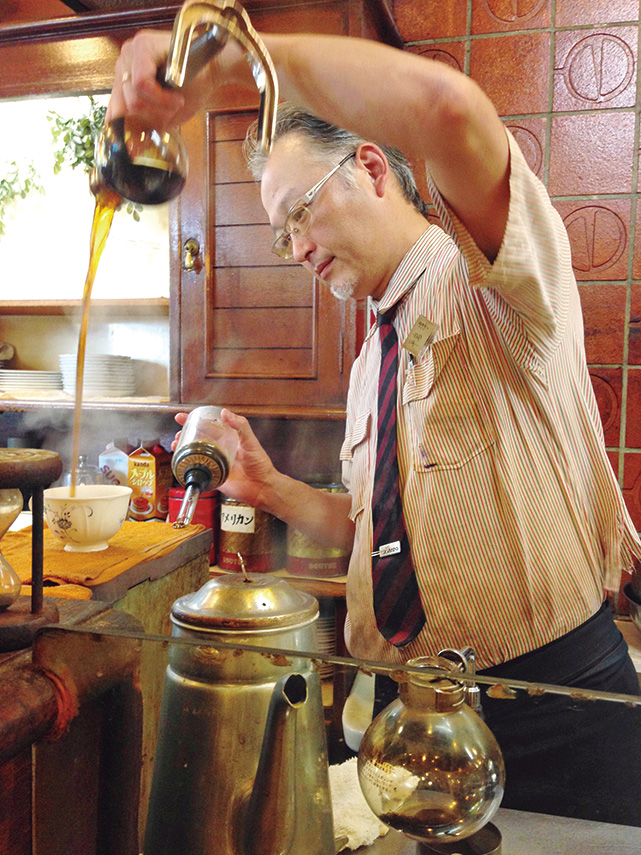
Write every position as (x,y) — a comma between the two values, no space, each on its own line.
(430,19)
(500,16)
(530,135)
(570,13)
(636,261)
(603,308)
(598,232)
(633,409)
(591,153)
(451,53)
(632,486)
(634,330)
(513,71)
(595,69)
(613,457)
(607,385)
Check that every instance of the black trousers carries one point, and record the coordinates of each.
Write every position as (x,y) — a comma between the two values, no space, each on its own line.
(568,757)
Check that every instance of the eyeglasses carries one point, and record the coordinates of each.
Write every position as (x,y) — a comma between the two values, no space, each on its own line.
(299,216)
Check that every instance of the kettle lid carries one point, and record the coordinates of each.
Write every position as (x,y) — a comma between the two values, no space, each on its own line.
(244,602)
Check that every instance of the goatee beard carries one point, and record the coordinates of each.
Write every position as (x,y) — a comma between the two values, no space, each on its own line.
(343,290)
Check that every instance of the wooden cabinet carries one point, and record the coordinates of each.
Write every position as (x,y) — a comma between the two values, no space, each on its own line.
(246,328)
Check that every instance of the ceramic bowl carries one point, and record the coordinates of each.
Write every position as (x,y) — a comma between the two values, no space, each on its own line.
(85,522)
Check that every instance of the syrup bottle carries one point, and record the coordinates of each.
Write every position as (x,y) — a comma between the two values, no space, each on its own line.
(203,457)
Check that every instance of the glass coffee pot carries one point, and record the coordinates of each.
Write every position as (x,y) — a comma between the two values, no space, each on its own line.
(149,166)
(428,765)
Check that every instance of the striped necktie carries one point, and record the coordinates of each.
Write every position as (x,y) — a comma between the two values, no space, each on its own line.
(397,603)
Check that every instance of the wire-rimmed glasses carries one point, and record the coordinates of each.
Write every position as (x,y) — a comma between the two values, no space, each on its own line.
(299,216)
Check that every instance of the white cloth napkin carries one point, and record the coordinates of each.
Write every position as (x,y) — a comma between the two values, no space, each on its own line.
(355,824)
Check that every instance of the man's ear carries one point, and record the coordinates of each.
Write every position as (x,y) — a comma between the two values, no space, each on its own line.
(372,159)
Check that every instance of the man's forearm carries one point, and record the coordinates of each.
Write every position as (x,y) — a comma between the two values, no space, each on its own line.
(323,516)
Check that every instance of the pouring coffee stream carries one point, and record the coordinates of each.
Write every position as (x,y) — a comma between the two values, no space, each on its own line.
(149,166)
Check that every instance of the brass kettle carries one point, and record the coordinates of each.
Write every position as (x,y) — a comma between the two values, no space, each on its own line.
(428,765)
(241,762)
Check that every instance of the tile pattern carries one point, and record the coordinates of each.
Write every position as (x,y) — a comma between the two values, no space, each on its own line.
(563,77)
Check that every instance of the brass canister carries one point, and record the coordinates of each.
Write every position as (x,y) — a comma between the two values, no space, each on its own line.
(306,557)
(245,532)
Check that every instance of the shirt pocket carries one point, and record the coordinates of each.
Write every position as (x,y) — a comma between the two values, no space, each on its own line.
(443,412)
(355,455)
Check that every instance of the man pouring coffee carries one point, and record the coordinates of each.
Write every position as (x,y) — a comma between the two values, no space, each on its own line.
(482,509)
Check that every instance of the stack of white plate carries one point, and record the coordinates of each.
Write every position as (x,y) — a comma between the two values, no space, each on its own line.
(16,380)
(105,375)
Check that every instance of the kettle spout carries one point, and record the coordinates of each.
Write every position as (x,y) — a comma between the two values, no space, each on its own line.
(226,18)
(270,818)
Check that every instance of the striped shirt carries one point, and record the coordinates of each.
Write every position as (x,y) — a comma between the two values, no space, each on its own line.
(516,521)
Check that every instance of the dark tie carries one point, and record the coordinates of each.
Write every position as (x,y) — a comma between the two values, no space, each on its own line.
(397,602)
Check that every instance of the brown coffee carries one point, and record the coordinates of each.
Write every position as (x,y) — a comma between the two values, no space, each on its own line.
(106,203)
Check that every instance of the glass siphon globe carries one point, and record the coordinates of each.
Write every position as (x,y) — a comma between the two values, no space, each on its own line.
(428,765)
(11,503)
(140,164)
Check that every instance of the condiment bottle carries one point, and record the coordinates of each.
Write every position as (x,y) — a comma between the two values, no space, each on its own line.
(114,465)
(203,457)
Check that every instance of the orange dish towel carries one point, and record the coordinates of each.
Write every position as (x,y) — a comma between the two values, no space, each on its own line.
(135,543)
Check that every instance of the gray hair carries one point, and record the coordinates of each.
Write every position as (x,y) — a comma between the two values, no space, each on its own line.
(332,143)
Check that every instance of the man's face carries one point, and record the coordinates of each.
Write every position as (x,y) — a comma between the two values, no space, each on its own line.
(338,247)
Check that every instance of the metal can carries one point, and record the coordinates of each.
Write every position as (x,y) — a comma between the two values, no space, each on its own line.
(306,557)
(245,532)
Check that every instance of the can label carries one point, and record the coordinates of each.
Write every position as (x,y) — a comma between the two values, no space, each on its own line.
(240,518)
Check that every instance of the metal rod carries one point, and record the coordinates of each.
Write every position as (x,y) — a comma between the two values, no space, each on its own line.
(37,549)
(394,671)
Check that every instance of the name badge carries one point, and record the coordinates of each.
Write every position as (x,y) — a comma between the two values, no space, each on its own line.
(388,549)
(420,337)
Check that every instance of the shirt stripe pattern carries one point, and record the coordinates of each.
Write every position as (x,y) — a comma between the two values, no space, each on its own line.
(515,517)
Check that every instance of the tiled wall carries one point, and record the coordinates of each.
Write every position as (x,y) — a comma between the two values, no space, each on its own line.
(563,76)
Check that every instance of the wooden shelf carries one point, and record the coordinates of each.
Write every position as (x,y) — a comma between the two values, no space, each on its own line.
(16,405)
(151,307)
(23,405)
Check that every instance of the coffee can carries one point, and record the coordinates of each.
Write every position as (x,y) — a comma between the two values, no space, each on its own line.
(306,557)
(245,532)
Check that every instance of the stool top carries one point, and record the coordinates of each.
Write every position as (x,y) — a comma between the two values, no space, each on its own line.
(28,467)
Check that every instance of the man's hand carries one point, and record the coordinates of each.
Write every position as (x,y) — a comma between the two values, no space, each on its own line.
(253,473)
(136,90)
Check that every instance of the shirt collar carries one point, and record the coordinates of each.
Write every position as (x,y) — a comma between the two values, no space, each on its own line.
(404,277)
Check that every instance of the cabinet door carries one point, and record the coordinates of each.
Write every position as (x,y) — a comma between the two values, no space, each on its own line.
(253,331)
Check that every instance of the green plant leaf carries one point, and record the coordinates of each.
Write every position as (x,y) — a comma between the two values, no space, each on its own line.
(75,139)
(18,182)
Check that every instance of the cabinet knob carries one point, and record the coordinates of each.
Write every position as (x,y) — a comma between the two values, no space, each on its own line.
(191,255)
